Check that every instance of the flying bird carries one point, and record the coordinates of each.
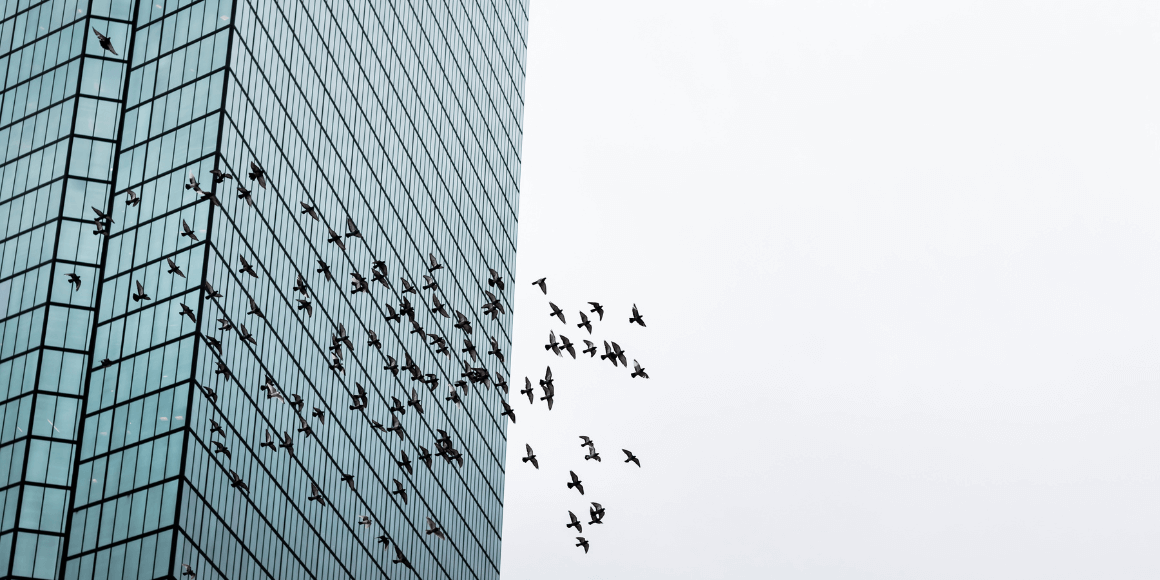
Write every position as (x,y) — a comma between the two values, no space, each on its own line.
(433,528)
(592,454)
(364,521)
(352,230)
(319,414)
(439,306)
(582,542)
(576,483)
(173,268)
(400,490)
(324,270)
(636,317)
(244,334)
(220,447)
(255,310)
(219,175)
(609,354)
(566,345)
(308,210)
(631,457)
(237,483)
(405,463)
(543,284)
(575,523)
(187,311)
(557,312)
(464,324)
(269,442)
(619,354)
(584,323)
(408,287)
(639,371)
(414,401)
(531,457)
(185,569)
(305,428)
(348,479)
(552,344)
(598,309)
(401,559)
(132,199)
(214,427)
(246,267)
(495,280)
(596,512)
(529,391)
(396,427)
(245,194)
(316,494)
(587,442)
(434,264)
(392,365)
(210,292)
(335,239)
(187,231)
(507,410)
(307,306)
(258,173)
(591,350)
(105,42)
(75,280)
(140,294)
(495,351)
(431,284)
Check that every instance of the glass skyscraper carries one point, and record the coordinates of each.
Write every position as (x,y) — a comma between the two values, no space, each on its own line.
(226,373)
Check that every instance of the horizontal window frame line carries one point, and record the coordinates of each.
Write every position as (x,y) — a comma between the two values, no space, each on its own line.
(21,530)
(31,437)
(112,545)
(19,273)
(63,26)
(48,183)
(26,9)
(59,65)
(165,133)
(90,414)
(172,90)
(175,50)
(42,392)
(42,347)
(44,485)
(45,304)
(40,149)
(155,303)
(41,111)
(77,508)
(138,184)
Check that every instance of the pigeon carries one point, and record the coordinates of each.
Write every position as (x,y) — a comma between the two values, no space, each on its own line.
(246,267)
(531,457)
(592,454)
(187,311)
(316,494)
(219,175)
(406,310)
(324,270)
(557,312)
(566,345)
(187,232)
(377,425)
(140,294)
(495,351)
(75,281)
(220,447)
(469,349)
(364,521)
(636,317)
(348,479)
(414,401)
(244,194)
(210,394)
(507,410)
(495,280)
(582,542)
(400,490)
(619,354)
(237,483)
(549,395)
(552,344)
(210,292)
(631,457)
(501,383)
(609,354)
(585,324)
(439,307)
(193,184)
(396,427)
(405,463)
(305,428)
(416,329)
(392,315)
(407,286)
(300,285)
(639,370)
(575,522)
(392,365)
(107,45)
(373,340)
(587,442)
(591,350)
(214,427)
(358,283)
(543,284)
(185,569)
(433,528)
(258,173)
(352,230)
(308,210)
(598,309)
(255,310)
(434,265)
(547,380)
(529,391)
(287,443)
(307,306)
(319,414)
(576,483)
(245,335)
(336,239)
(401,559)
(132,199)
(269,442)
(397,406)
(102,216)
(225,324)
(222,370)
(464,324)
(382,540)
(596,512)
(101,230)
(431,284)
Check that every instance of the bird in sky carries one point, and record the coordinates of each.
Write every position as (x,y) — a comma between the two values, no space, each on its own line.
(258,173)
(592,454)
(401,559)
(335,239)
(609,354)
(575,523)
(598,309)
(596,513)
(348,479)
(552,344)
(507,410)
(245,195)
(186,570)
(352,230)
(140,294)
(105,42)
(187,311)
(269,442)
(431,284)
(397,406)
(222,370)
(495,350)
(631,457)
(286,443)
(316,494)
(469,349)
(210,292)
(543,284)
(131,198)
(373,340)
(591,350)
(424,456)
(434,264)
(547,380)
(187,232)
(220,447)
(254,310)
(392,316)
(575,483)
(619,354)
(557,312)
(75,280)
(396,427)
(193,184)
(439,306)
(566,345)
(636,317)
(405,463)
(584,323)
(219,176)
(324,270)
(529,391)
(308,210)
(237,483)
(392,365)
(494,279)
(225,324)
(364,521)
(215,427)
(305,428)
(415,402)
(307,306)
(582,542)
(319,414)
(246,267)
(408,287)
(300,285)
(531,457)
(433,528)
(639,370)
(400,490)
(214,343)
(245,335)
(586,441)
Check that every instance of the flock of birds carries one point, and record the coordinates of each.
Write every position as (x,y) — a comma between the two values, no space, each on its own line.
(558,346)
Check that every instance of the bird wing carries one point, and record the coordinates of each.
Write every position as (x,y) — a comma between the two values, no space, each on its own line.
(548,374)
(314,489)
(350,227)
(529,448)
(140,288)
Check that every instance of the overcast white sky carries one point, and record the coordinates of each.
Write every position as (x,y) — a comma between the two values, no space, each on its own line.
(900,263)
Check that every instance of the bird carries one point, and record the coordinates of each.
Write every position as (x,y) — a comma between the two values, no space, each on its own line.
(287,443)
(416,329)
(631,457)
(245,194)
(592,454)
(220,447)
(105,42)
(308,210)
(246,267)
(639,370)
(453,397)
(101,229)
(222,370)
(244,334)
(131,198)
(297,402)
(596,512)
(348,479)
(575,523)
(434,265)
(400,490)
(552,344)
(576,483)
(255,310)
(397,406)
(408,287)
(414,401)
(587,442)
(609,354)
(210,394)
(405,463)
(210,292)
(392,316)
(431,284)
(543,284)
(352,230)
(187,311)
(433,528)
(305,428)
(214,427)
(619,354)
(598,309)
(324,270)
(258,173)
(469,349)
(584,323)
(364,521)
(186,570)
(495,350)
(237,483)
(307,306)
(439,306)
(358,283)
(140,294)
(636,317)
(75,280)
(507,410)
(316,494)
(567,345)
(336,239)
(495,280)
(591,350)
(300,285)
(547,380)
(102,216)
(319,414)
(529,391)
(557,312)
(373,340)
(269,442)
(173,268)
(549,395)
(531,457)
(187,232)
(225,324)
(396,427)
(193,184)
(582,542)
(464,324)
(392,365)
(401,559)
(382,540)
(105,363)
(406,309)
(501,383)
(219,175)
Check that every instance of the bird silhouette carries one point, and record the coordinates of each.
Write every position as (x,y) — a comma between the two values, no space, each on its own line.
(494,279)
(431,284)
(584,323)
(529,391)
(237,483)
(495,351)
(210,292)
(187,311)
(105,42)
(434,264)
(400,490)
(433,528)
(582,542)
(220,447)
(246,267)
(75,280)
(531,457)
(596,513)
(575,483)
(245,195)
(598,309)
(352,230)
(507,410)
(543,284)
(609,354)
(186,570)
(631,457)
(566,345)
(401,559)
(552,344)
(557,312)
(415,402)
(639,370)
(140,294)
(131,198)
(591,350)
(348,479)
(187,232)
(575,522)
(636,317)
(316,494)
(258,173)
(405,463)
(335,239)
(269,442)
(324,270)
(219,176)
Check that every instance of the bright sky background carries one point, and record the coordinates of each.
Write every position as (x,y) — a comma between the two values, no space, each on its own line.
(900,265)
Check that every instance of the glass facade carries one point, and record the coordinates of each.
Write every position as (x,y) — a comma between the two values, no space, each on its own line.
(225,373)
